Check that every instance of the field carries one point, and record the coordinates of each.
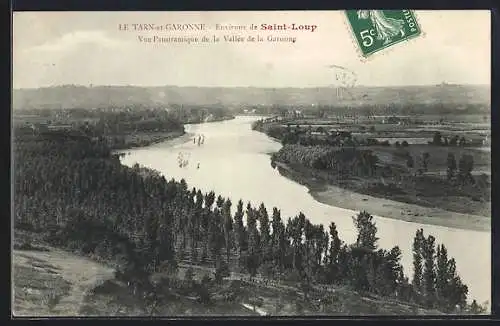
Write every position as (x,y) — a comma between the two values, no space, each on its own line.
(423,131)
(437,159)
(411,193)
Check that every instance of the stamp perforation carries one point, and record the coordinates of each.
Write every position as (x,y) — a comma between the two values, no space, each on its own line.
(385,49)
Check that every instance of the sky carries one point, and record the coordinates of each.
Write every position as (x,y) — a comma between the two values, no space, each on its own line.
(87,48)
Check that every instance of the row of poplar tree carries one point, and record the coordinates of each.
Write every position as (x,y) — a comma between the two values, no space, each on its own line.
(78,194)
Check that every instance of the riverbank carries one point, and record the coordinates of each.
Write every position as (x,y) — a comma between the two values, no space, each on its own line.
(145,139)
(219,119)
(336,196)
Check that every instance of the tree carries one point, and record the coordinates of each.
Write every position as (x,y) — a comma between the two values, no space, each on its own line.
(209,200)
(333,254)
(320,249)
(454,141)
(384,272)
(253,240)
(418,243)
(409,161)
(239,228)
(429,272)
(309,266)
(465,166)
(195,223)
(451,166)
(166,250)
(366,231)
(449,286)
(457,291)
(171,267)
(278,241)
(310,256)
(295,231)
(202,290)
(425,161)
(189,275)
(293,236)
(475,308)
(215,236)
(394,269)
(299,307)
(441,273)
(206,223)
(265,235)
(436,140)
(228,227)
(149,244)
(219,202)
(221,271)
(404,143)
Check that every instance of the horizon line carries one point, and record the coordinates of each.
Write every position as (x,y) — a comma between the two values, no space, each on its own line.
(259,87)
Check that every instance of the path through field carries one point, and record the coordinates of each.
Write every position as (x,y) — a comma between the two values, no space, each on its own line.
(53,282)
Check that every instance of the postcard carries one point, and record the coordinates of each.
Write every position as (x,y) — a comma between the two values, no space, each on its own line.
(251,163)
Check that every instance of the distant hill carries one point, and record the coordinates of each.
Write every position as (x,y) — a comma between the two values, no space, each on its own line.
(105,96)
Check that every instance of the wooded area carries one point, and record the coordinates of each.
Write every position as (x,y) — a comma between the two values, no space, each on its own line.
(76,193)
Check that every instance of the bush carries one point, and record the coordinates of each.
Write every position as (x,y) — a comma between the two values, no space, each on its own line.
(257,302)
(266,269)
(475,308)
(189,275)
(206,279)
(292,276)
(299,307)
(385,143)
(202,290)
(221,272)
(170,267)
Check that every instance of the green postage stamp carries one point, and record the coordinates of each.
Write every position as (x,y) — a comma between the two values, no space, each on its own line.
(375,30)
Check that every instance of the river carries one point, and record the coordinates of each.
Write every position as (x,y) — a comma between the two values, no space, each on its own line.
(234,162)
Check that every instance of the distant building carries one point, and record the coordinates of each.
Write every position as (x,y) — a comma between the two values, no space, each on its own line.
(39,127)
(295,113)
(486,141)
(405,122)
(391,120)
(344,134)
(60,127)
